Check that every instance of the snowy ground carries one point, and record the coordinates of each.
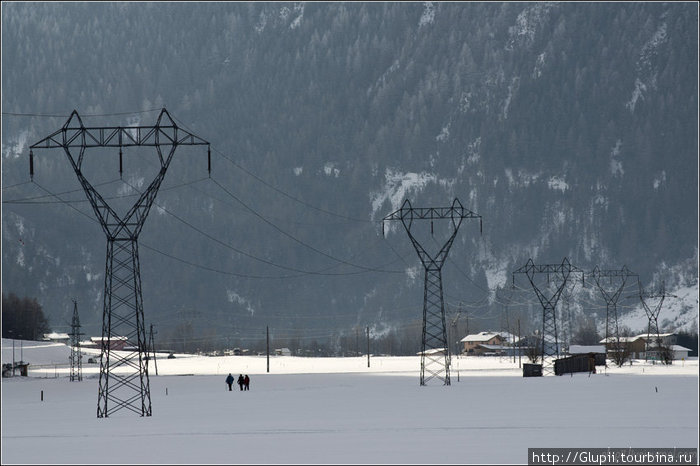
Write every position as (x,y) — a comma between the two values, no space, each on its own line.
(336,410)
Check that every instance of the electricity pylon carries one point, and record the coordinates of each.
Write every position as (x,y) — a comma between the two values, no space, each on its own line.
(76,364)
(549,317)
(611,296)
(435,354)
(653,315)
(123,380)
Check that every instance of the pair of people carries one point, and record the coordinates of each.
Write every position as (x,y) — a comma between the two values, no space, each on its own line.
(243,382)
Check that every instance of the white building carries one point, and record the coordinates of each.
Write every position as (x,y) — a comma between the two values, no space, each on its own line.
(57,337)
(680,352)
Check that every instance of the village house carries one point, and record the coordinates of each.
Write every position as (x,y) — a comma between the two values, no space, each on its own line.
(635,346)
(480,343)
(639,345)
(115,343)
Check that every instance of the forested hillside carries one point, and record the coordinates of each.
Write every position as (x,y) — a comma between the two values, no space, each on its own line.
(571,128)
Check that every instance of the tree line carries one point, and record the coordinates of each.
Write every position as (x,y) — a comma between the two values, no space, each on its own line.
(23,318)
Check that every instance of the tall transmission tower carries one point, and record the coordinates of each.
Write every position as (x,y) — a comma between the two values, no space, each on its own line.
(76,363)
(435,354)
(611,295)
(550,343)
(653,316)
(123,382)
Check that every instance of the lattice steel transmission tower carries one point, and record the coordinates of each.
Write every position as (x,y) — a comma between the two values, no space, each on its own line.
(653,316)
(76,359)
(435,354)
(550,343)
(123,382)
(611,296)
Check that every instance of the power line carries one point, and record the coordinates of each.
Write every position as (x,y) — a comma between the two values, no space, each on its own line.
(251,256)
(274,188)
(294,238)
(24,200)
(16,184)
(66,115)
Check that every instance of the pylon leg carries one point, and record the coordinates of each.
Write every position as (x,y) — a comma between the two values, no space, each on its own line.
(124,379)
(434,364)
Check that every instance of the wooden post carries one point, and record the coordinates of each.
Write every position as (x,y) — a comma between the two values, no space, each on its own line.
(520,351)
(42,395)
(367,346)
(267,330)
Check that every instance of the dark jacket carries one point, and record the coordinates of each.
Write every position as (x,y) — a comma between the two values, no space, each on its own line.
(229,379)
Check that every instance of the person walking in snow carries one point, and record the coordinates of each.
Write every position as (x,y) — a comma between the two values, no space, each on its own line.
(241,381)
(246,382)
(229,381)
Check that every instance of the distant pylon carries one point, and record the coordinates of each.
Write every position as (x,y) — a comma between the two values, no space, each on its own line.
(611,296)
(76,364)
(550,342)
(435,354)
(653,316)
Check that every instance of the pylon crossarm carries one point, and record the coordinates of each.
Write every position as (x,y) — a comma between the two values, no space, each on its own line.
(430,213)
(119,136)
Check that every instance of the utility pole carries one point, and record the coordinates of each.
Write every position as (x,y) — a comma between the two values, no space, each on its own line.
(549,318)
(152,345)
(13,355)
(127,387)
(76,365)
(435,354)
(520,348)
(267,338)
(454,330)
(368,346)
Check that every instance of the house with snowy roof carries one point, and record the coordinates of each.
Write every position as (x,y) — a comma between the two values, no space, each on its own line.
(636,345)
(482,342)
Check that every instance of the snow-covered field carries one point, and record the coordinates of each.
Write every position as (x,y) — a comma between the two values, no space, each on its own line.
(337,410)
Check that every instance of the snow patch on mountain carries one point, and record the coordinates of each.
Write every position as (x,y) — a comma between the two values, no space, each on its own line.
(679,310)
(646,68)
(299,9)
(444,134)
(17,146)
(428,15)
(330,170)
(512,89)
(660,179)
(527,23)
(234,297)
(539,64)
(397,187)
(557,183)
(521,179)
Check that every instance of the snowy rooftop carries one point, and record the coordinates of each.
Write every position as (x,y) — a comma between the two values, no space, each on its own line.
(481,336)
(623,339)
(56,336)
